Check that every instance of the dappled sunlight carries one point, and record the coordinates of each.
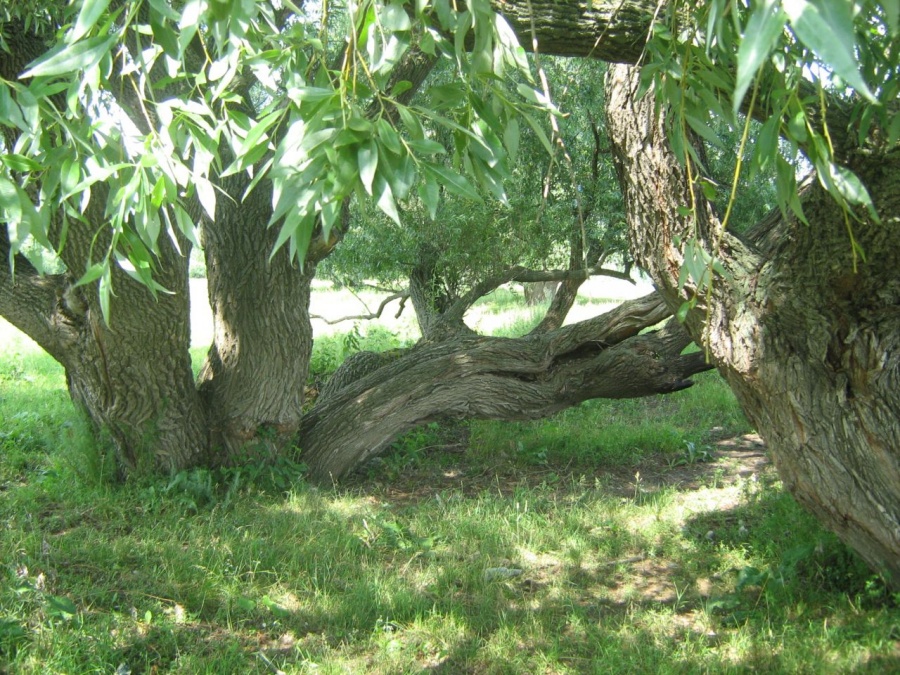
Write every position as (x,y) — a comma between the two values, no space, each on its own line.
(617,536)
(12,340)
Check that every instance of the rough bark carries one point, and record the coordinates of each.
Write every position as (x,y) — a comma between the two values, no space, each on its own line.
(614,31)
(476,377)
(132,376)
(253,379)
(810,346)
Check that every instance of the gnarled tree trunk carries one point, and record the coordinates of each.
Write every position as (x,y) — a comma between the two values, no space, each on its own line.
(810,346)
(253,379)
(476,377)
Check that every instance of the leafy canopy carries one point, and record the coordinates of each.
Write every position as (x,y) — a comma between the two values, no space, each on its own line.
(307,97)
(150,104)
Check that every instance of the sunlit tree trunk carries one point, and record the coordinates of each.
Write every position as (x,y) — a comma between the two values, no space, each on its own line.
(253,378)
(807,337)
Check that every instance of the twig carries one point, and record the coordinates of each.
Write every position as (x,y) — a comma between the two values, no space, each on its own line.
(624,561)
(371,315)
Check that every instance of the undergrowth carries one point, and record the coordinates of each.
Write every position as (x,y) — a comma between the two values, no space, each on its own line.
(475,548)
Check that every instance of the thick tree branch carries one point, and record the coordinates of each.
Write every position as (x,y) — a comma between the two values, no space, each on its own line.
(36,304)
(616,31)
(497,378)
(532,276)
(612,30)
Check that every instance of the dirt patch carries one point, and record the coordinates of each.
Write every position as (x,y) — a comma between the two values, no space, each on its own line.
(733,459)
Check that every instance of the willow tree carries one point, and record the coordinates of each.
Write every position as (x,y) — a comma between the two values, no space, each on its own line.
(561,222)
(134,130)
(250,125)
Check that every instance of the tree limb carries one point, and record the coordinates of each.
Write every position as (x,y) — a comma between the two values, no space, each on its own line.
(476,377)
(32,303)
(371,315)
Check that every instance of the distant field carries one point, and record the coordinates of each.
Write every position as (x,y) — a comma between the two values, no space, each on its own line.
(601,294)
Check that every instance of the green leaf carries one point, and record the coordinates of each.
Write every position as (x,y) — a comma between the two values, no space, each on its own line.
(400,87)
(826,27)
(427,44)
(165,37)
(430,194)
(394,18)
(539,132)
(703,129)
(849,186)
(21,163)
(78,56)
(367,156)
(453,181)
(92,273)
(767,142)
(300,95)
(389,136)
(91,11)
(511,139)
(329,214)
(274,607)
(10,205)
(206,193)
(762,32)
(61,607)
(411,122)
(427,147)
(258,130)
(892,14)
(385,198)
(189,23)
(894,129)
(246,604)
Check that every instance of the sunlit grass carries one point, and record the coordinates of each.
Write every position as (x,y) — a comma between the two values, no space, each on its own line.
(551,573)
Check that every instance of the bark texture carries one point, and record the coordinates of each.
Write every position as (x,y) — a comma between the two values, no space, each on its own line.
(476,377)
(613,30)
(810,346)
(253,379)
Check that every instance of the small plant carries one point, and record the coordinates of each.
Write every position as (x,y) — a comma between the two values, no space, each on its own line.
(409,450)
(192,489)
(278,475)
(694,454)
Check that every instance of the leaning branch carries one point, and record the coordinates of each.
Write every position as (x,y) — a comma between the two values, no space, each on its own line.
(32,303)
(478,377)
(531,276)
(402,297)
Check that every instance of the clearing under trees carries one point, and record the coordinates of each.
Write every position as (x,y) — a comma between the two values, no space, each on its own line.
(253,125)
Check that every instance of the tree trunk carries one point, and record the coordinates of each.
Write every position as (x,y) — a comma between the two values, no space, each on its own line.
(538,292)
(810,347)
(473,377)
(254,376)
(132,377)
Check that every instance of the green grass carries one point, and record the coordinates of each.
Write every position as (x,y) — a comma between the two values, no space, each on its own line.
(617,433)
(205,573)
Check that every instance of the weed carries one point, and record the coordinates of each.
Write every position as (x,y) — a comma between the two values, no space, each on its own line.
(409,451)
(693,454)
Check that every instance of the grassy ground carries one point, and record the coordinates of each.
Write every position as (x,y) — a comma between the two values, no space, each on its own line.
(645,536)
